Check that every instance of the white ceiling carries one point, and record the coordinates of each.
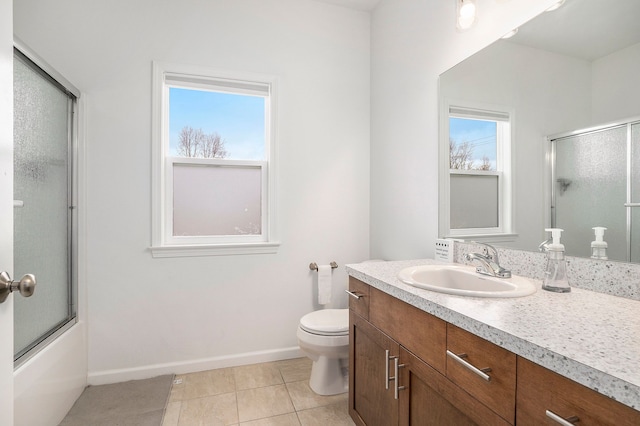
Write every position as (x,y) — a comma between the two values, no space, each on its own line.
(354,4)
(587,29)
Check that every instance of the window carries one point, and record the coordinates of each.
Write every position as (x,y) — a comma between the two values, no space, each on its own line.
(214,162)
(477,184)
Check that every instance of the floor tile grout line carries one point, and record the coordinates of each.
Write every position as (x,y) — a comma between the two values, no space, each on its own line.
(235,388)
(283,370)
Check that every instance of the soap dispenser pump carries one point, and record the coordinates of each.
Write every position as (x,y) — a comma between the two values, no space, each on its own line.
(555,275)
(599,246)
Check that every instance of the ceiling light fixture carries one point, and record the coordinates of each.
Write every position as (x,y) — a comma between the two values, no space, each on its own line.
(465,14)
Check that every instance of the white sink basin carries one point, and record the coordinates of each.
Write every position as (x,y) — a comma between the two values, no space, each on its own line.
(463,280)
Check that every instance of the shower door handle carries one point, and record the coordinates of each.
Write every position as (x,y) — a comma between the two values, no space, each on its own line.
(632,204)
(26,286)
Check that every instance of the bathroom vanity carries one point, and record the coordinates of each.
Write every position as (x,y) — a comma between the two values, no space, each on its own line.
(421,357)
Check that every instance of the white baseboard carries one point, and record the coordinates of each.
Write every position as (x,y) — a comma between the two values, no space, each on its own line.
(191,366)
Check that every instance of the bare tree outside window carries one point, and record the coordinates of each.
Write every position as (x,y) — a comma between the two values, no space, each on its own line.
(195,143)
(461,157)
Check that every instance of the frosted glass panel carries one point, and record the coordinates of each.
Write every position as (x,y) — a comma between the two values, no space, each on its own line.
(635,193)
(591,176)
(474,201)
(41,225)
(216,200)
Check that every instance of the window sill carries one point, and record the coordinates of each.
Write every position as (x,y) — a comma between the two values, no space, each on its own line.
(196,250)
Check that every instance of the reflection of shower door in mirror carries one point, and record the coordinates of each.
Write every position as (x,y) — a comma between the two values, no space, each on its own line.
(634,193)
(593,186)
(43,123)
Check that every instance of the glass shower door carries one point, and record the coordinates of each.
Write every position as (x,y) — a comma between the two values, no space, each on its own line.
(590,189)
(43,117)
(634,212)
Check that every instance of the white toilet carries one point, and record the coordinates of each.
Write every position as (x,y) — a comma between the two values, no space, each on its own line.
(324,337)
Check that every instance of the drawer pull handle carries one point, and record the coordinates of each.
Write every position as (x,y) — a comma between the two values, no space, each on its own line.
(354,295)
(396,367)
(479,371)
(569,421)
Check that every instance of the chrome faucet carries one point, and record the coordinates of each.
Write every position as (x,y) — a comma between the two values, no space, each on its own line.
(489,262)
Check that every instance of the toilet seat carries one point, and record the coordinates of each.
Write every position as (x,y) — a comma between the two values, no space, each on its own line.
(326,322)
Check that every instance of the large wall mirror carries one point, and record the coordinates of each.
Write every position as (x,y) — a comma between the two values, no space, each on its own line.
(562,102)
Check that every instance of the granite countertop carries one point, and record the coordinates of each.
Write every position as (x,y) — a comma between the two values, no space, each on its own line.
(591,338)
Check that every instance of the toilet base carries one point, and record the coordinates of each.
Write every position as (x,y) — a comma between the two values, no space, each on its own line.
(328,376)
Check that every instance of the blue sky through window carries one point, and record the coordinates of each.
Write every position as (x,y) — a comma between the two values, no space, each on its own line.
(481,134)
(238,119)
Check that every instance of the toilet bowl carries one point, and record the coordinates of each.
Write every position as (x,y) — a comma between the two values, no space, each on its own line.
(324,337)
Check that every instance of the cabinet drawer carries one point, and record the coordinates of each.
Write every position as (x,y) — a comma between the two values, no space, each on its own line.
(497,390)
(360,304)
(429,398)
(541,390)
(419,332)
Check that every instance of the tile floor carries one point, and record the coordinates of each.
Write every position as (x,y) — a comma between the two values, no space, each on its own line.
(268,394)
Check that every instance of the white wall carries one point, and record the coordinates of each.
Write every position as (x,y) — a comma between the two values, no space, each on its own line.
(549,93)
(615,85)
(148,316)
(413,42)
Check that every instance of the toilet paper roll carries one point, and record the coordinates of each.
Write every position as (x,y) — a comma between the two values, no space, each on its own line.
(324,284)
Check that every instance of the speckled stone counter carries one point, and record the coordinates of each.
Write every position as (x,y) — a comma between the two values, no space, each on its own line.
(589,337)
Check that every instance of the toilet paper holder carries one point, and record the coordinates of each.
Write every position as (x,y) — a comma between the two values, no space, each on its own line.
(314,266)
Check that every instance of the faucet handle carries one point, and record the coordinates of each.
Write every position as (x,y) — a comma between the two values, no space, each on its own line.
(489,251)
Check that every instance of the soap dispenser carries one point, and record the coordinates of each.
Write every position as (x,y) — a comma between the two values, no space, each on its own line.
(599,246)
(555,275)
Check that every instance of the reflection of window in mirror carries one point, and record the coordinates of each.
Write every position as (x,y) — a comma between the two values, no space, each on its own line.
(479,179)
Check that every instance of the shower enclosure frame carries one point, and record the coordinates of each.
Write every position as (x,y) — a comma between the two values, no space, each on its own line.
(552,140)
(48,73)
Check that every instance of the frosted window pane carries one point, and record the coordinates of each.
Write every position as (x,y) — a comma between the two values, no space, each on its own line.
(41,225)
(216,200)
(591,190)
(474,201)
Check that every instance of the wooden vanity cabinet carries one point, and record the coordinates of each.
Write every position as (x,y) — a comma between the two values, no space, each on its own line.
(359,297)
(435,388)
(400,334)
(468,355)
(371,395)
(419,332)
(430,399)
(543,394)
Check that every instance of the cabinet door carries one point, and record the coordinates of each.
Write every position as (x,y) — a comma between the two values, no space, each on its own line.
(370,402)
(543,394)
(427,398)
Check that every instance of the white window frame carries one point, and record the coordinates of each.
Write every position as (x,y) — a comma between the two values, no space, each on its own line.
(164,243)
(505,117)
